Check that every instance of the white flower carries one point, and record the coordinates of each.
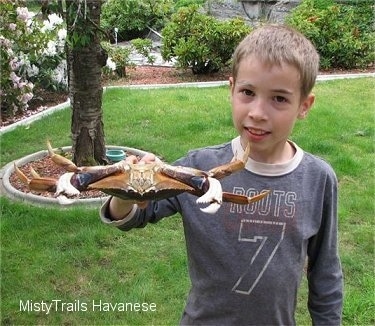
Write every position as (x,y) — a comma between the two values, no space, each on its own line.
(50,23)
(30,85)
(59,75)
(14,78)
(20,85)
(32,70)
(55,19)
(111,64)
(51,49)
(47,26)
(14,64)
(61,34)
(24,59)
(7,43)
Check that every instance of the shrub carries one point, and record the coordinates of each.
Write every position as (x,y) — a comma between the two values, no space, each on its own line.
(143,47)
(342,34)
(118,59)
(133,17)
(186,3)
(201,42)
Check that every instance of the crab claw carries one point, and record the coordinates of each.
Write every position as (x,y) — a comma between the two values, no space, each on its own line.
(213,196)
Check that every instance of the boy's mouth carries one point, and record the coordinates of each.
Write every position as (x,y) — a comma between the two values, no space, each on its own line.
(257,132)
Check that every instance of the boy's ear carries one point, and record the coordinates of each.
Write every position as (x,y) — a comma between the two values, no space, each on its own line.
(306,105)
(231,82)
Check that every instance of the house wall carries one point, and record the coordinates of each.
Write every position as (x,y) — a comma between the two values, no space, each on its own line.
(252,10)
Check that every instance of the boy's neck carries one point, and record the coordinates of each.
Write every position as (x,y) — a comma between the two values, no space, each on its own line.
(271,169)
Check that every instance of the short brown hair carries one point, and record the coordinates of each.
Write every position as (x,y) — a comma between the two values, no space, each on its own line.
(277,44)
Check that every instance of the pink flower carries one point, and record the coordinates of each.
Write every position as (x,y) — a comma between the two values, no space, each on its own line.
(30,85)
(14,78)
(23,13)
(26,97)
(12,26)
(14,64)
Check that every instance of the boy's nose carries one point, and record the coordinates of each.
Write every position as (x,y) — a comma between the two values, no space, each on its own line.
(257,110)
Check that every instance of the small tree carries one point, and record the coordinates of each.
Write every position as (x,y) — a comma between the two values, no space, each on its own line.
(85,59)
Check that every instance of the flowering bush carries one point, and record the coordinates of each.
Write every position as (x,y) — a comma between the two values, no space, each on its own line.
(118,60)
(30,52)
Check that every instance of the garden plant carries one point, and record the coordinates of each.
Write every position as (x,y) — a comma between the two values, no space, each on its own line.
(343,34)
(195,40)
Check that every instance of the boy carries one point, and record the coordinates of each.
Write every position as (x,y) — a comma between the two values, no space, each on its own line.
(246,261)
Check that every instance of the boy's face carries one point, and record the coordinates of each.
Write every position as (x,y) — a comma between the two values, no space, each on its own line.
(266,102)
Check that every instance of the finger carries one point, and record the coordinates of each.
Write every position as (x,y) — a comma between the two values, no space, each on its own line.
(148,158)
(132,159)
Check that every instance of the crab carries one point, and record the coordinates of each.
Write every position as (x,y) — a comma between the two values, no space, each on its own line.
(142,181)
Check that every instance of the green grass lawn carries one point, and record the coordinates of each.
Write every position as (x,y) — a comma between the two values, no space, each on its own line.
(56,254)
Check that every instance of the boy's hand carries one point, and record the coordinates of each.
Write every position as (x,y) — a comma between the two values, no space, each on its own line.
(120,208)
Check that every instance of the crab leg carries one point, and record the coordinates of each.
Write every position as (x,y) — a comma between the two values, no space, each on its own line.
(62,161)
(243,200)
(79,178)
(229,168)
(37,183)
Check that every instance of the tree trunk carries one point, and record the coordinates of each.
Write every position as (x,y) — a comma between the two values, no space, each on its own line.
(85,59)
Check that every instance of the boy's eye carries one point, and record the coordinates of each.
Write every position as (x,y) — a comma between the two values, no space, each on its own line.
(247,92)
(280,99)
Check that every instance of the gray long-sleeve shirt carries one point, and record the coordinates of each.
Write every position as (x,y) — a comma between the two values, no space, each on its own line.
(246,261)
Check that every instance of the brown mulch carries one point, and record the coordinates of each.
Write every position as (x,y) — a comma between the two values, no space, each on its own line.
(145,75)
(42,101)
(137,76)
